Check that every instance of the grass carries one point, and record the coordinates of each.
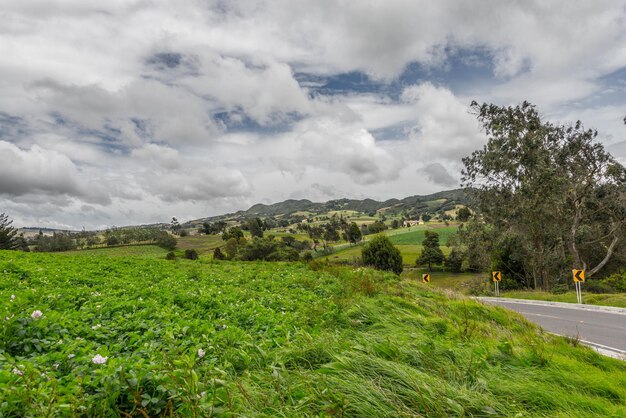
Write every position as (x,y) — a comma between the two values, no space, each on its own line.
(416,235)
(149,251)
(408,241)
(204,244)
(277,339)
(463,282)
(604,299)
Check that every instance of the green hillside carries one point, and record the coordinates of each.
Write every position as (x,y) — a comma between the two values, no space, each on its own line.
(413,205)
(91,335)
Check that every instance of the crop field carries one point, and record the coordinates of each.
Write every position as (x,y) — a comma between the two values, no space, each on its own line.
(137,337)
(149,251)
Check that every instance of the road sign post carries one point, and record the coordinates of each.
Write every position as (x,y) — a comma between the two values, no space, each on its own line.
(425,278)
(497,277)
(579,279)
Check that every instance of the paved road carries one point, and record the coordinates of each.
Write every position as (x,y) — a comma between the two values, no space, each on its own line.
(604,329)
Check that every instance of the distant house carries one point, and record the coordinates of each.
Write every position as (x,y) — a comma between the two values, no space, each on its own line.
(411,222)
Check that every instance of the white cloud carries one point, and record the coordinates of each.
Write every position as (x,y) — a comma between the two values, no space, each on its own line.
(116,102)
(37,170)
(445,128)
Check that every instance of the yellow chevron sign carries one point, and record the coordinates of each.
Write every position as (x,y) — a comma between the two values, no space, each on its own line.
(497,276)
(426,278)
(579,275)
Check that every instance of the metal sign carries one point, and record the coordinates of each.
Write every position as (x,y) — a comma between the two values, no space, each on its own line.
(579,279)
(497,276)
(426,278)
(579,275)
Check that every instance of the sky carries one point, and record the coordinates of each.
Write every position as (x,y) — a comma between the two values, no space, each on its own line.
(129,112)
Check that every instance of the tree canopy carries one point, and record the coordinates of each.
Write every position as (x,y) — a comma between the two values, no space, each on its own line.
(553,185)
(381,254)
(431,252)
(8,234)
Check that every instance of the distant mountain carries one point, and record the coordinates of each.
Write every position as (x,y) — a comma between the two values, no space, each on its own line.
(412,205)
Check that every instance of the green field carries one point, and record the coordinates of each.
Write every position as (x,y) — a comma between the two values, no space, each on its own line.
(416,235)
(408,241)
(132,336)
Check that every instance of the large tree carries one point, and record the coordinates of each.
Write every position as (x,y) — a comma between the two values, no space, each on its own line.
(554,185)
(8,239)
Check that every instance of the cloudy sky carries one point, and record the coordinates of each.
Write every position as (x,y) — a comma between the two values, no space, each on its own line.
(121,112)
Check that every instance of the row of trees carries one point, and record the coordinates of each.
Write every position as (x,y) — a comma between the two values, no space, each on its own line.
(261,248)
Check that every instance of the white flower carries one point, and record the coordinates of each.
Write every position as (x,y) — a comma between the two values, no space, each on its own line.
(224,326)
(96,326)
(70,356)
(18,371)
(36,314)
(56,366)
(12,298)
(98,359)
(201,353)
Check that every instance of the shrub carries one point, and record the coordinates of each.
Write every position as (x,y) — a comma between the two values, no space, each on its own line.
(218,254)
(191,254)
(307,256)
(381,254)
(170,256)
(166,241)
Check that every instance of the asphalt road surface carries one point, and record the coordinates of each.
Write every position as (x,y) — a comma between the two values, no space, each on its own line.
(605,330)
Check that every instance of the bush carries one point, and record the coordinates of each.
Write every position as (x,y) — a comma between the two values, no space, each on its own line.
(218,254)
(166,241)
(381,254)
(170,256)
(307,257)
(191,254)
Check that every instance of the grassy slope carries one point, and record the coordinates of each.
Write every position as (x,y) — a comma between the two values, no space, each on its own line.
(280,340)
(407,240)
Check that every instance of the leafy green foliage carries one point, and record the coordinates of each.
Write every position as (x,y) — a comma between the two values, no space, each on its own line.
(166,241)
(376,227)
(555,186)
(218,254)
(255,226)
(463,214)
(191,254)
(146,337)
(354,233)
(380,253)
(233,232)
(58,241)
(431,252)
